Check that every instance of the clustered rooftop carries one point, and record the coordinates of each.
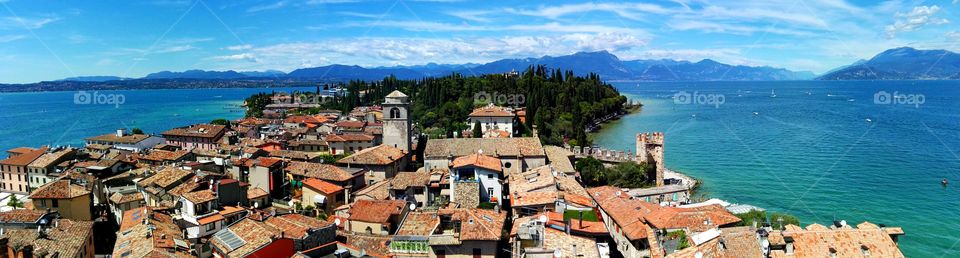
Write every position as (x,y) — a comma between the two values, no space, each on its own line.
(358,185)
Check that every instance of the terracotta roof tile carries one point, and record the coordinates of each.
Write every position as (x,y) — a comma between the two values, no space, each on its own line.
(491,111)
(199,130)
(166,177)
(25,158)
(60,189)
(113,138)
(379,155)
(377,191)
(419,224)
(479,224)
(118,198)
(349,138)
(320,171)
(296,225)
(200,196)
(322,186)
(256,192)
(375,211)
(255,234)
(480,161)
(21,216)
(845,242)
(66,240)
(443,148)
(403,180)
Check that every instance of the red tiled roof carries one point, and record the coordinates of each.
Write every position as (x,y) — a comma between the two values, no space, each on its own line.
(491,111)
(60,189)
(318,170)
(199,130)
(296,225)
(210,219)
(480,161)
(25,158)
(350,137)
(375,211)
(21,216)
(267,162)
(351,124)
(322,186)
(379,155)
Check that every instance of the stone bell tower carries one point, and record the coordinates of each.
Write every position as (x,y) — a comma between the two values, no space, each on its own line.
(396,121)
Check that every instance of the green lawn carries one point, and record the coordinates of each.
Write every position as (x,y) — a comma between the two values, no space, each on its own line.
(587,215)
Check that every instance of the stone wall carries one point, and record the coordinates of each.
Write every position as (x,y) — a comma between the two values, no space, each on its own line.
(467,194)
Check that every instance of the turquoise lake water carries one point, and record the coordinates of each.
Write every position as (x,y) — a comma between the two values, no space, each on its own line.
(54,118)
(810,151)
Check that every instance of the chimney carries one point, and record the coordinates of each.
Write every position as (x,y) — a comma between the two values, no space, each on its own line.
(120,132)
(566,226)
(27,251)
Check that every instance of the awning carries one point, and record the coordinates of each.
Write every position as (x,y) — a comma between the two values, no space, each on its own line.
(319,199)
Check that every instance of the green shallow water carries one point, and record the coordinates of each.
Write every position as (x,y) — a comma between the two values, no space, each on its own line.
(810,151)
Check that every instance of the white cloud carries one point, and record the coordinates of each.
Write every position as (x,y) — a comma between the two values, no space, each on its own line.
(712,27)
(919,17)
(378,51)
(476,16)
(174,49)
(258,8)
(241,57)
(239,47)
(29,23)
(332,1)
(631,11)
(361,15)
(11,38)
(450,27)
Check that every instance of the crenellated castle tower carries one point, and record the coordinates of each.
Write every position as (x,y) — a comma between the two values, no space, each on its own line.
(650,151)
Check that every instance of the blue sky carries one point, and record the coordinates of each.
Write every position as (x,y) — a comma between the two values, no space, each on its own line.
(47,40)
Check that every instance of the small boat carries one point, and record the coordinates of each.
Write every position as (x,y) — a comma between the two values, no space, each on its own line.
(773,94)
(756,113)
(944,182)
(851,100)
(869,120)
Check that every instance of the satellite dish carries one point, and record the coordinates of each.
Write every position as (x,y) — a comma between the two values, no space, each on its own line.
(698,255)
(558,253)
(413,206)
(542,218)
(336,222)
(480,151)
(256,205)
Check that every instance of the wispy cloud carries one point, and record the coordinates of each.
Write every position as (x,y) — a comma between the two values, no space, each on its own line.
(631,11)
(477,16)
(713,27)
(29,23)
(359,14)
(451,27)
(919,17)
(239,47)
(332,1)
(11,38)
(272,6)
(174,49)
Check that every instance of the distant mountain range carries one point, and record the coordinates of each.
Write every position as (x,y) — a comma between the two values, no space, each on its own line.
(607,65)
(903,63)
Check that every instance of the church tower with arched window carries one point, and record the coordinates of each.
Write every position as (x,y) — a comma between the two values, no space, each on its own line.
(396,121)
